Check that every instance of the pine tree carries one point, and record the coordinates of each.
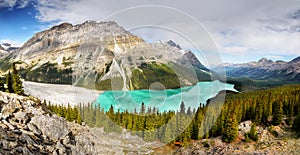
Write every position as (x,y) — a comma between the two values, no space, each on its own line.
(110,112)
(296,124)
(278,112)
(9,83)
(170,132)
(182,108)
(258,113)
(2,85)
(252,135)
(149,129)
(78,119)
(231,130)
(189,111)
(17,83)
(143,108)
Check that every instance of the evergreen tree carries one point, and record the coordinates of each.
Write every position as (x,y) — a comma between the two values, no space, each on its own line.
(78,118)
(170,132)
(110,112)
(2,85)
(171,126)
(197,123)
(231,130)
(189,111)
(17,83)
(143,108)
(258,113)
(253,133)
(9,83)
(149,111)
(278,112)
(182,108)
(149,134)
(296,124)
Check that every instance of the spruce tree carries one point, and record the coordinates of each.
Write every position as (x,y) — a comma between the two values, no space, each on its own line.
(143,108)
(78,119)
(296,124)
(149,129)
(170,132)
(2,85)
(189,111)
(231,130)
(16,82)
(278,112)
(182,108)
(253,133)
(9,83)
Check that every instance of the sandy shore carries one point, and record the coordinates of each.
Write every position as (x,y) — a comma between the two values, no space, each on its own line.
(60,94)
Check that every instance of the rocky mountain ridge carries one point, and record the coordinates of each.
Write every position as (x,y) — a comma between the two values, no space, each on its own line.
(2,51)
(95,55)
(265,69)
(27,127)
(6,48)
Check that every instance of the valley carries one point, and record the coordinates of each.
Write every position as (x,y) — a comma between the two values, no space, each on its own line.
(95,54)
(95,88)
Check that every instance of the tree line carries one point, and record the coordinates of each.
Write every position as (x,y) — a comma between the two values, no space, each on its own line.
(12,81)
(264,108)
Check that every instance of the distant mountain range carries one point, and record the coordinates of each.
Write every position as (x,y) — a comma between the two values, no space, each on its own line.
(265,69)
(95,55)
(6,48)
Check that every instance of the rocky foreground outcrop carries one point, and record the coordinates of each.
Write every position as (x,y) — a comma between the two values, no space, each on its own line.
(272,141)
(27,127)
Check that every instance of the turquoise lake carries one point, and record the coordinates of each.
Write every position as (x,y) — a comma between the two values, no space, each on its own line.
(164,100)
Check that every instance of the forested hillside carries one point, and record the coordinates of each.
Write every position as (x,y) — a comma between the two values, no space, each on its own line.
(265,108)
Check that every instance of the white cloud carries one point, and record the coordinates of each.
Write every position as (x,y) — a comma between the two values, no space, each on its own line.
(23,3)
(8,3)
(13,3)
(254,27)
(238,50)
(12,42)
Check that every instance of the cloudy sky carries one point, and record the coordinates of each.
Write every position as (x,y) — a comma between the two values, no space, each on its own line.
(242,30)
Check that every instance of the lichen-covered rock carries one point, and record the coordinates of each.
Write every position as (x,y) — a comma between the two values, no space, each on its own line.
(51,127)
(26,127)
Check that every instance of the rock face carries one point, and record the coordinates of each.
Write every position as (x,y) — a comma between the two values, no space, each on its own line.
(266,69)
(26,127)
(94,55)
(267,144)
(6,48)
(2,51)
(245,127)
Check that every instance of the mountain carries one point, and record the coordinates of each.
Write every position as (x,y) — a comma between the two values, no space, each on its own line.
(2,51)
(8,47)
(265,69)
(1,48)
(104,56)
(28,127)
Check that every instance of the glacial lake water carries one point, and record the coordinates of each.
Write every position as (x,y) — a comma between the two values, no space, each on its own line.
(164,100)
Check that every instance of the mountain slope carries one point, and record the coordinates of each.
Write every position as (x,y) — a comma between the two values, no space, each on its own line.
(104,56)
(266,69)
(28,127)
(2,51)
